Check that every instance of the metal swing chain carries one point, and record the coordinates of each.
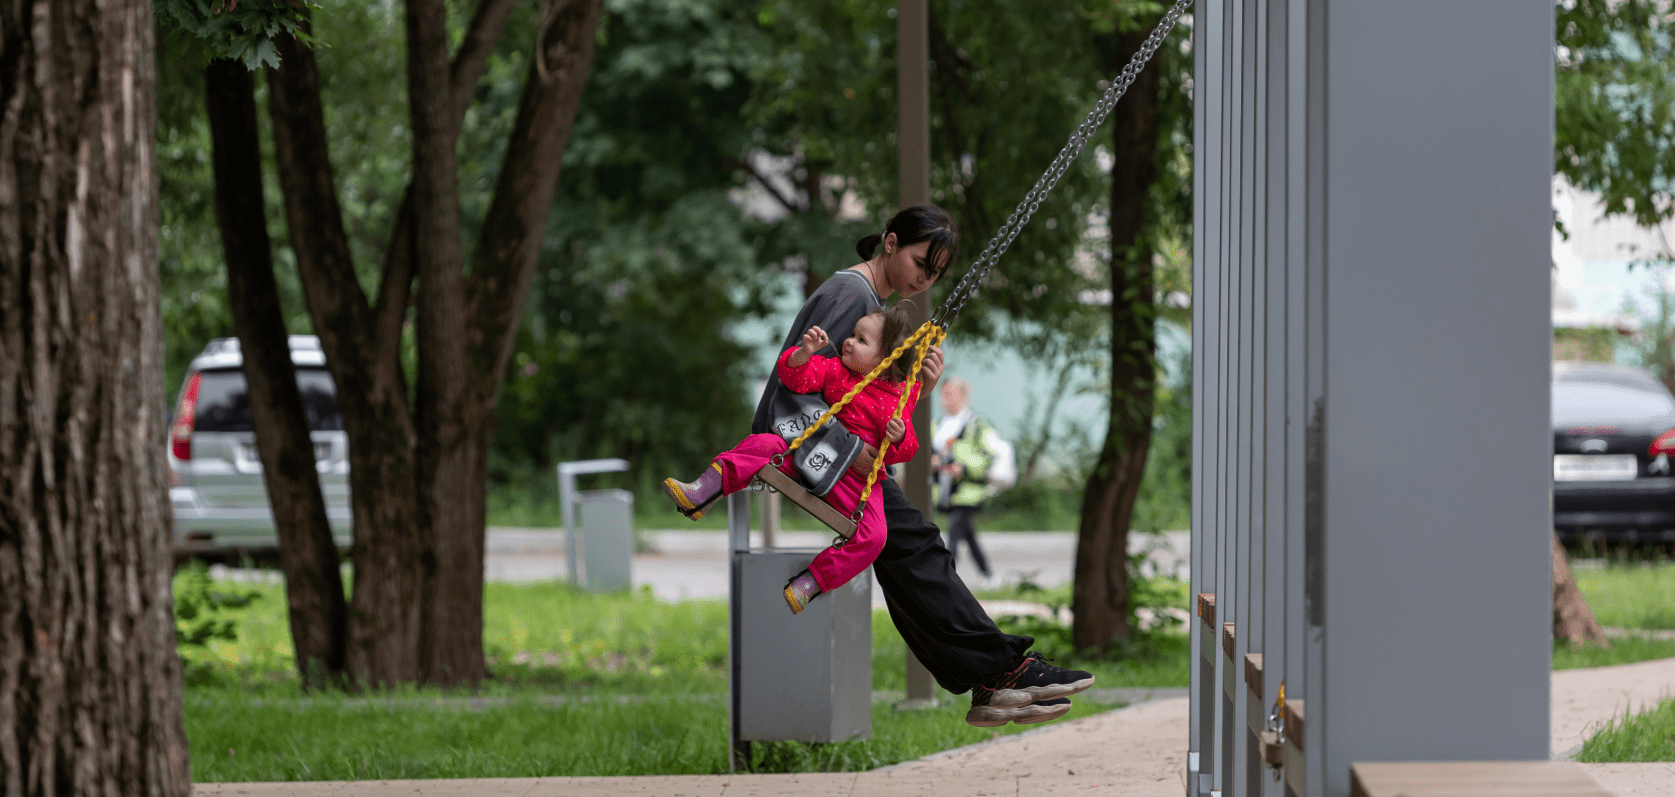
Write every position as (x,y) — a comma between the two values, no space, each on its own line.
(934,330)
(998,245)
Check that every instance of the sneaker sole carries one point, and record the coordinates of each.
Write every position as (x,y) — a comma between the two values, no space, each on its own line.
(1028,714)
(1012,698)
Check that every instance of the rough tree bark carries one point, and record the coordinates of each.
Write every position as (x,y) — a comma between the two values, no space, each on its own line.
(307,553)
(1099,597)
(419,479)
(1573,619)
(90,699)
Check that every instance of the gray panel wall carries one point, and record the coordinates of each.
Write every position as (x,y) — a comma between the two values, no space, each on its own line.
(1371,351)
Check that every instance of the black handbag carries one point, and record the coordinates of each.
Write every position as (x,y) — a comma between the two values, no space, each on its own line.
(822,459)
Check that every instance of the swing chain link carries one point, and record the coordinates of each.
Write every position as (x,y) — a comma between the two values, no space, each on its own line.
(967,286)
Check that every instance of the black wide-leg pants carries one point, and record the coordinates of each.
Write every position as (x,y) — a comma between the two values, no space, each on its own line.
(931,607)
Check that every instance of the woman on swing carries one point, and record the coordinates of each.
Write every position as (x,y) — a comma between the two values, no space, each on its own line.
(931,607)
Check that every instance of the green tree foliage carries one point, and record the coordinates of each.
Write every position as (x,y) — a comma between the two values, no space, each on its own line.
(624,350)
(1615,103)
(203,30)
(1009,82)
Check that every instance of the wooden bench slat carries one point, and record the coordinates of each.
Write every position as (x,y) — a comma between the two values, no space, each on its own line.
(1207,608)
(1227,641)
(1472,779)
(1294,723)
(1253,673)
(821,510)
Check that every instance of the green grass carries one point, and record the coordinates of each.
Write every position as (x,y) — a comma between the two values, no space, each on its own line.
(546,638)
(1626,592)
(582,684)
(1623,650)
(1631,593)
(1647,736)
(336,738)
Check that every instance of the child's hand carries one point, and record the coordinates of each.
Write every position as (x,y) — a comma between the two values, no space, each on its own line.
(895,430)
(814,340)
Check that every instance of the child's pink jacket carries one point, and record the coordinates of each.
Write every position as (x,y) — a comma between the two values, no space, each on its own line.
(866,414)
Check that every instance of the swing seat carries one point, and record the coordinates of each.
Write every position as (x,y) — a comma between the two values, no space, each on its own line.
(774,479)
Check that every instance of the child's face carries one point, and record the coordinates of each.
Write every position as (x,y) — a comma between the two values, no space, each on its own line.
(864,349)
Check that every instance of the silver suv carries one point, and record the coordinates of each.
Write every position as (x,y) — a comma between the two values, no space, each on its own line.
(215,475)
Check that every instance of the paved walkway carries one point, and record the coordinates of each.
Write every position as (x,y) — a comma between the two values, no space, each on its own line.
(1138,751)
(693,564)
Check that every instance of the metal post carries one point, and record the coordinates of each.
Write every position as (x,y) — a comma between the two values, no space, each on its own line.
(770,518)
(913,137)
(738,543)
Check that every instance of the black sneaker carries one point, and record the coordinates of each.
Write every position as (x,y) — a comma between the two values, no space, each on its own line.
(987,716)
(1034,680)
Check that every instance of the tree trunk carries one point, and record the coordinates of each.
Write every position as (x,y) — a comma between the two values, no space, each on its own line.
(419,480)
(1573,620)
(503,262)
(1099,598)
(90,682)
(361,343)
(307,553)
(444,453)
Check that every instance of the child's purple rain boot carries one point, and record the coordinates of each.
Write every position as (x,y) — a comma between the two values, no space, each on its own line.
(800,590)
(693,497)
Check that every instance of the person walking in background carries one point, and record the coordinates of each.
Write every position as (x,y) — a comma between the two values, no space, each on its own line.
(962,460)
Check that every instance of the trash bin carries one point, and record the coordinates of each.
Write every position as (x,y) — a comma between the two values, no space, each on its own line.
(575,540)
(607,520)
(804,677)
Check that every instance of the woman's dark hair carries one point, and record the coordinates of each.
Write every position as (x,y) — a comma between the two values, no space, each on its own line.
(915,224)
(895,324)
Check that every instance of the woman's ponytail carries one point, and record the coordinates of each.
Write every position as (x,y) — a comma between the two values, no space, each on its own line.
(868,246)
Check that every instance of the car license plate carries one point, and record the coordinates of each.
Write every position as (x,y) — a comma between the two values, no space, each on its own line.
(322,452)
(1595,467)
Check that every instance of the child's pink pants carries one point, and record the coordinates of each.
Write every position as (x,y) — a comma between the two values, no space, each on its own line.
(836,565)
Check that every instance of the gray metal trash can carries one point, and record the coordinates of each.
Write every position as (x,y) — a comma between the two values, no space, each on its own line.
(607,520)
(804,677)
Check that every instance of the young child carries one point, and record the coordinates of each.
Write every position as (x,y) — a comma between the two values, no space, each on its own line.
(869,416)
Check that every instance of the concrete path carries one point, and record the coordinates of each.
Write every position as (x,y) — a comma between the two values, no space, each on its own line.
(693,564)
(1138,751)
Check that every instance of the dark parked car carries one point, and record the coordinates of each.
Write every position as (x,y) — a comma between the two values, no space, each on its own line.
(1613,437)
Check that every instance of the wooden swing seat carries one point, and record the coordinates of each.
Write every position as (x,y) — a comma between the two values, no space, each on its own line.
(772,478)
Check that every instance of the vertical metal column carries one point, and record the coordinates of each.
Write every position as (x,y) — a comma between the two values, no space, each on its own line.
(738,544)
(913,141)
(1206,318)
(1370,443)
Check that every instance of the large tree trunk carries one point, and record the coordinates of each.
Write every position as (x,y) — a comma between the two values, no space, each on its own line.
(419,480)
(361,343)
(503,262)
(1099,599)
(451,634)
(90,684)
(1573,619)
(307,553)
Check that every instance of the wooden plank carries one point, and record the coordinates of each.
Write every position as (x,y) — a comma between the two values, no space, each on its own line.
(1253,673)
(1294,723)
(1472,779)
(821,510)
(1227,645)
(1273,750)
(1207,608)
